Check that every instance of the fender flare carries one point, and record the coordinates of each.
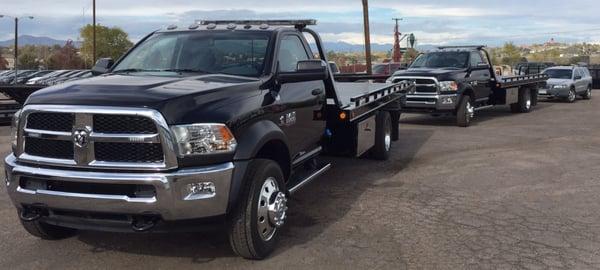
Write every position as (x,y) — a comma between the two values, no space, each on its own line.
(251,139)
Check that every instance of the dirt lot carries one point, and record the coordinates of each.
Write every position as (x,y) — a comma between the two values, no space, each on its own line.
(510,192)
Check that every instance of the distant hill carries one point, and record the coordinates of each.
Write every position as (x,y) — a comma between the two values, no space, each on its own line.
(375,47)
(33,40)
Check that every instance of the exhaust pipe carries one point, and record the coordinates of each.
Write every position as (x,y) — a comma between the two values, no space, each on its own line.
(143,223)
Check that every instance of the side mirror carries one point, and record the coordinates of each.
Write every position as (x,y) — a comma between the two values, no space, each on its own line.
(306,70)
(102,66)
(578,78)
(483,66)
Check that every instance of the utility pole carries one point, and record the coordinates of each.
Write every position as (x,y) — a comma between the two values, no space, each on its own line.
(367,36)
(94,35)
(397,55)
(16,48)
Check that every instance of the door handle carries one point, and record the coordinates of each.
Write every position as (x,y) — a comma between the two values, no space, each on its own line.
(317,92)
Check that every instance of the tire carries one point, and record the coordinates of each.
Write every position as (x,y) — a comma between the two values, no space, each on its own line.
(588,93)
(525,102)
(383,136)
(46,231)
(264,178)
(572,96)
(465,112)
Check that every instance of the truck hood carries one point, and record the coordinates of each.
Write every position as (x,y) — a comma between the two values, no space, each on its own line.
(175,97)
(440,74)
(559,81)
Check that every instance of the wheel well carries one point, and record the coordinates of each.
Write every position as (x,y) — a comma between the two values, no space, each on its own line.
(277,151)
(470,93)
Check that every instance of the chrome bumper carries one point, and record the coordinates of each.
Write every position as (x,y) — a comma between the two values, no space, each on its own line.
(430,102)
(169,202)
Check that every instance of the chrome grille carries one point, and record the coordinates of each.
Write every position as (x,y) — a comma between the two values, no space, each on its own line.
(95,137)
(51,121)
(423,85)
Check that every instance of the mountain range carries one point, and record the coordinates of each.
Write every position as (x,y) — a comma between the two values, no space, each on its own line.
(34,40)
(329,46)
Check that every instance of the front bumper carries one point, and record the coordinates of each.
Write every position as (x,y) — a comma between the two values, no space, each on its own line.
(554,92)
(168,203)
(429,103)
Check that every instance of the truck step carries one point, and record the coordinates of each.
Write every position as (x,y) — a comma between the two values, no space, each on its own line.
(484,107)
(301,178)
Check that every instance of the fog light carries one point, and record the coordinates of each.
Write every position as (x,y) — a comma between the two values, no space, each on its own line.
(447,100)
(199,191)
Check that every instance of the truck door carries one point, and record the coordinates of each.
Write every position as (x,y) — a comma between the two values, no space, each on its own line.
(299,100)
(480,76)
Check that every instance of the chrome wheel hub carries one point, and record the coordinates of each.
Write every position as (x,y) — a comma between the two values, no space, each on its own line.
(272,208)
(470,111)
(528,103)
(571,95)
(388,141)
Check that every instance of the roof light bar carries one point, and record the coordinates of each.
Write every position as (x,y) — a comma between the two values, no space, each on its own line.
(462,47)
(297,23)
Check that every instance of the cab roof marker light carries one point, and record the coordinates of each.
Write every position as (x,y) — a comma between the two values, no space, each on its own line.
(172,27)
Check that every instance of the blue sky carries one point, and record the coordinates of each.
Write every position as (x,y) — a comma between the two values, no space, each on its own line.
(490,22)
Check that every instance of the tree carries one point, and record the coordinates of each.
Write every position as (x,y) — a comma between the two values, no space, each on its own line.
(65,58)
(110,42)
(28,58)
(511,55)
(3,63)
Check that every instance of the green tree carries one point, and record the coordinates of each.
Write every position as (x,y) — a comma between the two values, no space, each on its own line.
(110,42)
(511,55)
(28,57)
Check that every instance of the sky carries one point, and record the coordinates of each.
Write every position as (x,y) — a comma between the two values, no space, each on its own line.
(488,22)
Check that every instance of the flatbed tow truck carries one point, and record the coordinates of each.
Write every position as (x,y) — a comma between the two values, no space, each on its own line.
(212,125)
(460,80)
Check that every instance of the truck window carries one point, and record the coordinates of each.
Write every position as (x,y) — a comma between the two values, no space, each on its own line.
(232,53)
(442,60)
(291,51)
(476,59)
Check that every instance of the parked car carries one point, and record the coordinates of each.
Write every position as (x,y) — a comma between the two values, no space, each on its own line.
(10,79)
(216,133)
(22,79)
(460,80)
(38,79)
(531,67)
(568,82)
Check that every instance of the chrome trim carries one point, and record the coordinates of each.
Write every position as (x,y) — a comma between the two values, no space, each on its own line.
(84,157)
(308,155)
(310,178)
(169,201)
(436,84)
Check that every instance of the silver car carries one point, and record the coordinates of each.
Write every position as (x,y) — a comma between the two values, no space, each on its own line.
(568,82)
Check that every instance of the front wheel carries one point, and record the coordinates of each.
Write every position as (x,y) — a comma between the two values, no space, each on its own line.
(572,97)
(588,93)
(465,112)
(256,221)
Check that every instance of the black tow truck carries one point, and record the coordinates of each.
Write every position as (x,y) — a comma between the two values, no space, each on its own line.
(215,124)
(460,80)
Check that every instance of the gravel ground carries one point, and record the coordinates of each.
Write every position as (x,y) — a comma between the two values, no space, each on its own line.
(514,191)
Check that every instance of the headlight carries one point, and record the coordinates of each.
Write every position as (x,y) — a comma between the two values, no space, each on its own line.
(561,86)
(14,130)
(448,86)
(203,139)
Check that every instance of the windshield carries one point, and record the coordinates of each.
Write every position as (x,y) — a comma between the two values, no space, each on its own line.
(442,60)
(559,73)
(233,53)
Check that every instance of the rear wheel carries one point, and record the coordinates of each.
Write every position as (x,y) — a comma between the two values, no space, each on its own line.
(465,112)
(255,224)
(572,97)
(46,231)
(525,102)
(588,93)
(383,136)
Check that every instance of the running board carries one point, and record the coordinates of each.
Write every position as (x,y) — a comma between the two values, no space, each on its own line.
(484,107)
(309,178)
